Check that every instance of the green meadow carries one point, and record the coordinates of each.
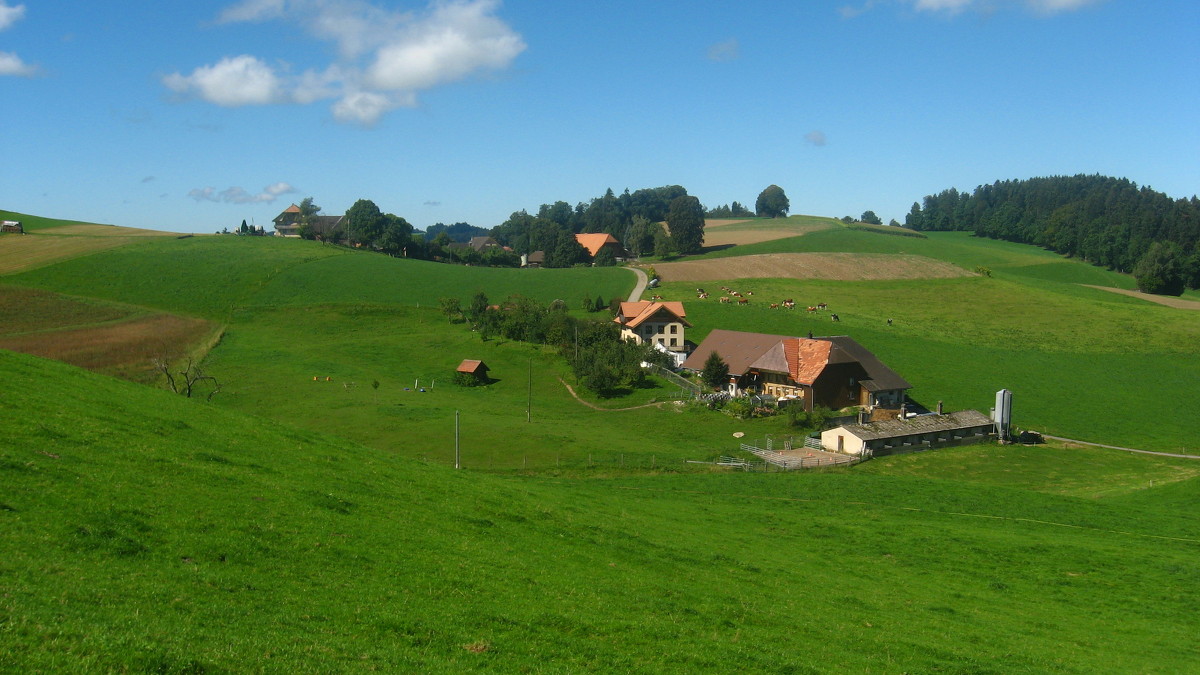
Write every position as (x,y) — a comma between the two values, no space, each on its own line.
(148,533)
(309,519)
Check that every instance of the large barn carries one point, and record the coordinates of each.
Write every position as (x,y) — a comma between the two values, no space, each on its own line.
(833,372)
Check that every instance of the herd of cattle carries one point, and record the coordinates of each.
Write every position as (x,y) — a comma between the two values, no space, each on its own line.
(732,296)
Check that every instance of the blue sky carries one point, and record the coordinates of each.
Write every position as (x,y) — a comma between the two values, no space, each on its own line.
(192,116)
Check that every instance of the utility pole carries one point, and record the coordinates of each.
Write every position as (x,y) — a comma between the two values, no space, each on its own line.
(456,455)
(529,398)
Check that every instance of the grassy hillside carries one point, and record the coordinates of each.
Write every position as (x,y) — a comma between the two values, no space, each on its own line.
(146,532)
(210,276)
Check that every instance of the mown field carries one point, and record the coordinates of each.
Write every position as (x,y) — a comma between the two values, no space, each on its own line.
(49,240)
(147,533)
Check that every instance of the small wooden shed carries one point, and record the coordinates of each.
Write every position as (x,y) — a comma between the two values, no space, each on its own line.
(474,367)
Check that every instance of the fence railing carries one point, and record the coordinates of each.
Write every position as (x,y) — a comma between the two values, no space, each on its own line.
(791,463)
(675,379)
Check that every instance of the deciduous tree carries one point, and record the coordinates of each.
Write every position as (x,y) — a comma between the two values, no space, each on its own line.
(685,219)
(772,203)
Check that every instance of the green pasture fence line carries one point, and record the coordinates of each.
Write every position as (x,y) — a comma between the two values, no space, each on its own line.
(569,462)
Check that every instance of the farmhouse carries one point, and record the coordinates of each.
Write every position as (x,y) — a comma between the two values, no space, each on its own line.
(594,243)
(892,436)
(834,372)
(480,243)
(658,323)
(11,227)
(287,223)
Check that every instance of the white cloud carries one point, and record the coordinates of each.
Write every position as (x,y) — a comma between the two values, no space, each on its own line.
(252,10)
(1056,6)
(237,195)
(458,38)
(1045,7)
(387,56)
(237,81)
(11,64)
(10,15)
(728,50)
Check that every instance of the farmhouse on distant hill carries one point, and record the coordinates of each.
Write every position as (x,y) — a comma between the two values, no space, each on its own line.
(594,243)
(891,436)
(11,227)
(659,323)
(480,243)
(287,223)
(834,372)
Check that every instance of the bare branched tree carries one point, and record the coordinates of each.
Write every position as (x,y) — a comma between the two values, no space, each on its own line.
(186,381)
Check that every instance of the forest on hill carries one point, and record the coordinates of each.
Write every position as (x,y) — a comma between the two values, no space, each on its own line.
(1106,221)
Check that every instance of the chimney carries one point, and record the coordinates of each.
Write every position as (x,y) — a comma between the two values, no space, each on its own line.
(939,408)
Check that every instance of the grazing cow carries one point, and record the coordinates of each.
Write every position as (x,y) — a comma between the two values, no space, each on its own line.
(821,305)
(774,305)
(812,309)
(735,294)
(834,317)
(725,299)
(743,301)
(889,322)
(656,297)
(789,304)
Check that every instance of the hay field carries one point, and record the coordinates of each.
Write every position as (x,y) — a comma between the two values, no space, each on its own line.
(42,247)
(731,232)
(823,266)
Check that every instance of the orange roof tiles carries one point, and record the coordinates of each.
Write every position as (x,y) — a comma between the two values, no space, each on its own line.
(594,242)
(633,314)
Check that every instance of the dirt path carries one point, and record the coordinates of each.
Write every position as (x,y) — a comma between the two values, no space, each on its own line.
(1169,301)
(593,406)
(1117,447)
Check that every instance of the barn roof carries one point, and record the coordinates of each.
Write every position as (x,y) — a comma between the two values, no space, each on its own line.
(803,359)
(594,242)
(921,424)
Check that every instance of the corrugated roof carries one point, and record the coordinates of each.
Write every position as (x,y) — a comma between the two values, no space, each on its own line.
(922,424)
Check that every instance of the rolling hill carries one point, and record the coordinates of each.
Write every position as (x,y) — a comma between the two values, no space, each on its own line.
(307,519)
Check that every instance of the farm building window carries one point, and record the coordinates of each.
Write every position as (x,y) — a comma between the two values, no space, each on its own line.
(674,328)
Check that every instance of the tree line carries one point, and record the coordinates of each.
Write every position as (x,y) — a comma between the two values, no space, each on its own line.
(633,218)
(600,360)
(1106,221)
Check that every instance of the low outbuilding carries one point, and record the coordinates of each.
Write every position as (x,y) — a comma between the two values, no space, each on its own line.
(474,368)
(921,432)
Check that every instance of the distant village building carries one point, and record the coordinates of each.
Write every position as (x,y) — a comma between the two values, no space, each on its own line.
(594,243)
(834,372)
(11,227)
(287,223)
